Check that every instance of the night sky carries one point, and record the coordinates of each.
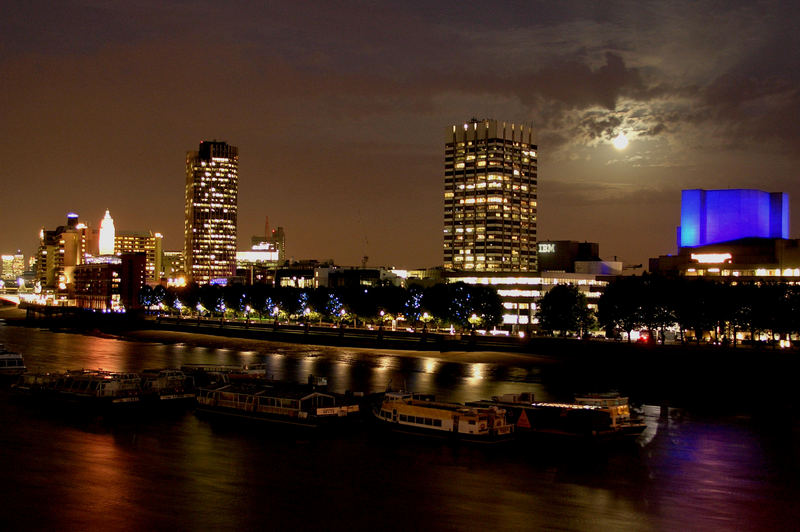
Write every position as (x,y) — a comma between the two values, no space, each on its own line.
(339,110)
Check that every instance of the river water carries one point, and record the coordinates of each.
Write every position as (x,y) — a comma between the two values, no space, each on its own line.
(67,471)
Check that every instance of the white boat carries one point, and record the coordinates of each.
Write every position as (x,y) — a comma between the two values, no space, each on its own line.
(11,363)
(422,414)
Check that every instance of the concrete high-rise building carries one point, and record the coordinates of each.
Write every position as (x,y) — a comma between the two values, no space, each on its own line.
(147,242)
(490,197)
(61,250)
(212,184)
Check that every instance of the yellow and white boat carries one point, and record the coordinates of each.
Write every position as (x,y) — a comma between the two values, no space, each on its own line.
(422,414)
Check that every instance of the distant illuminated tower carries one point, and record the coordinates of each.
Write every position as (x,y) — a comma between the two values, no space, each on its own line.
(490,197)
(107,233)
(212,184)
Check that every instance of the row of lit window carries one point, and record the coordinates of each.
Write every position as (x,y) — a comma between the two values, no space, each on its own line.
(537,280)
(496,236)
(482,164)
(760,272)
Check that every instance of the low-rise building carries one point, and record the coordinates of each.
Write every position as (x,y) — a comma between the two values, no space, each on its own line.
(756,258)
(520,293)
(110,283)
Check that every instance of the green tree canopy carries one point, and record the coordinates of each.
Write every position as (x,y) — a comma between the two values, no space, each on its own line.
(563,308)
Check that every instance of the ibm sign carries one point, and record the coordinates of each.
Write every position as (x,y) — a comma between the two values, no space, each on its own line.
(547,247)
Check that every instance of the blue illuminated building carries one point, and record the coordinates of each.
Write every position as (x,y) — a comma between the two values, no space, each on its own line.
(713,216)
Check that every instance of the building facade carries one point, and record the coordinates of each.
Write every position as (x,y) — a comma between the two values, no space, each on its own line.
(520,293)
(210,223)
(110,283)
(146,242)
(755,259)
(733,235)
(714,216)
(61,250)
(490,197)
(13,266)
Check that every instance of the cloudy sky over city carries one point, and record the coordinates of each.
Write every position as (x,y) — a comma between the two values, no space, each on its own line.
(339,110)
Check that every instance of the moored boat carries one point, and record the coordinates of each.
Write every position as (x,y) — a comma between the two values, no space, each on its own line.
(91,387)
(207,374)
(422,414)
(11,363)
(303,405)
(605,416)
(619,411)
(167,385)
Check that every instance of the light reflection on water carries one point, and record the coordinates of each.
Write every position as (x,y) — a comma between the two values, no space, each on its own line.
(187,473)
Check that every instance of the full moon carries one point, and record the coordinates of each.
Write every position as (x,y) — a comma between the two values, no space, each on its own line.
(620,142)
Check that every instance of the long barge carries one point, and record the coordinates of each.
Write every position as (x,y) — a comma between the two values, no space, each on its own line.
(301,405)
(87,387)
(596,416)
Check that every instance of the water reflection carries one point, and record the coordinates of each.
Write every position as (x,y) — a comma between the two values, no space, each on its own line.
(183,472)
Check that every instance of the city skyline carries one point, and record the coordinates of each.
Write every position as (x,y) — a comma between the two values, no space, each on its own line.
(338,115)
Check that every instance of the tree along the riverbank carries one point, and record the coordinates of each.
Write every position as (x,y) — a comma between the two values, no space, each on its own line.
(705,307)
(458,304)
(563,308)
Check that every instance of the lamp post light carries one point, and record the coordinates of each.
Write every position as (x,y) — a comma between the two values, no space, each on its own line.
(474,321)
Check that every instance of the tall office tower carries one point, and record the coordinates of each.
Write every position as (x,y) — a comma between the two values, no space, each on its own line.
(490,197)
(212,184)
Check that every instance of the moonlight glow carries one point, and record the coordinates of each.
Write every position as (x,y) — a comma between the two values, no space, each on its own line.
(620,142)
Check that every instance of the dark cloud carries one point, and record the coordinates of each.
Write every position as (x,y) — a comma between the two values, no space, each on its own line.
(339,110)
(575,84)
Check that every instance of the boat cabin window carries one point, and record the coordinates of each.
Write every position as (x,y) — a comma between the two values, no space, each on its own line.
(437,422)
(471,421)
(403,417)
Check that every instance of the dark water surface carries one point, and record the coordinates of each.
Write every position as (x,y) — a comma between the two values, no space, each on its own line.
(66,471)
